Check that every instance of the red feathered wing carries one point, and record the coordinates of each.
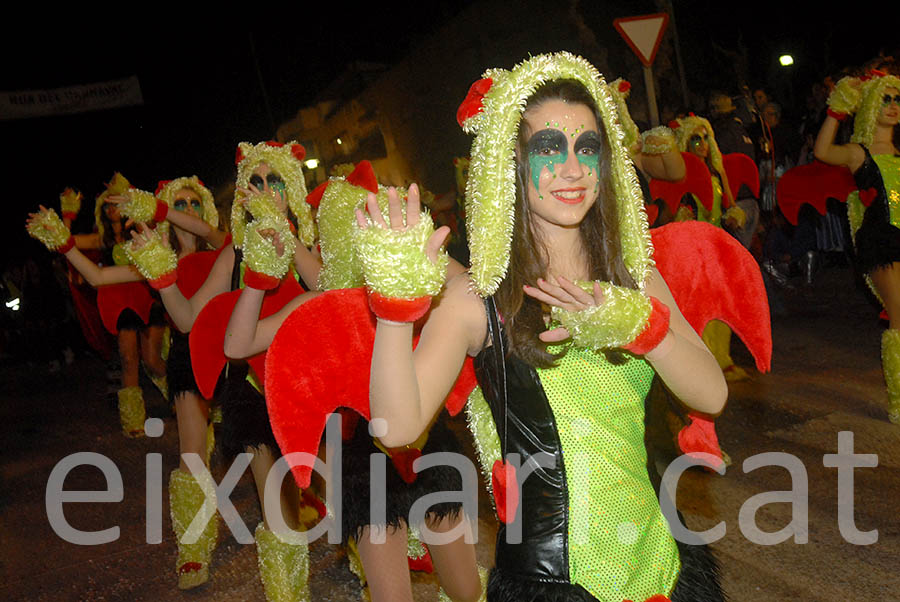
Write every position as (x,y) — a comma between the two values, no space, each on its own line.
(207,338)
(713,277)
(193,270)
(697,181)
(319,361)
(813,183)
(113,299)
(741,169)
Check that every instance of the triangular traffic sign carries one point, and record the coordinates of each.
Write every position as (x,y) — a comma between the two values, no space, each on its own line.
(643,34)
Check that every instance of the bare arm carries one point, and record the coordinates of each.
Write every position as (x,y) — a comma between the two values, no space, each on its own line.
(407,388)
(850,156)
(184,311)
(682,360)
(308,265)
(666,166)
(101,276)
(87,241)
(246,333)
(197,226)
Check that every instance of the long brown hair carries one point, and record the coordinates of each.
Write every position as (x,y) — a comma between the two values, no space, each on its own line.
(528,261)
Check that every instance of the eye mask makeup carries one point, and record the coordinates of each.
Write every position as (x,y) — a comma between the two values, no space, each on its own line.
(548,148)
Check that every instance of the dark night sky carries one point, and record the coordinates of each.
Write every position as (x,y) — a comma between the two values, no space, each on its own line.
(202,93)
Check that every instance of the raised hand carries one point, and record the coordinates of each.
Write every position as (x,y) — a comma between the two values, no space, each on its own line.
(565,294)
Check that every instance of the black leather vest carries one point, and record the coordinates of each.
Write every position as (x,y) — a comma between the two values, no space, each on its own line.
(526,426)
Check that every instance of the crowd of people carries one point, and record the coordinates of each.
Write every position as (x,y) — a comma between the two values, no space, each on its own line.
(563,300)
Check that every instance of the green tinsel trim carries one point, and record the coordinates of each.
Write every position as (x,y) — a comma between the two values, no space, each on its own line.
(257,206)
(48,228)
(867,115)
(283,566)
(846,95)
(394,262)
(491,188)
(70,201)
(188,497)
(665,134)
(629,127)
(687,127)
(141,207)
(154,259)
(259,251)
(336,220)
(414,546)
(617,321)
(280,159)
(210,213)
(484,434)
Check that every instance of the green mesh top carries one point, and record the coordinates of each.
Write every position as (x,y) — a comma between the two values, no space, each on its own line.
(889,166)
(619,541)
(714,215)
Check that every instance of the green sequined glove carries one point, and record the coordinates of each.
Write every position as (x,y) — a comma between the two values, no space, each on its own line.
(260,253)
(48,228)
(615,323)
(155,261)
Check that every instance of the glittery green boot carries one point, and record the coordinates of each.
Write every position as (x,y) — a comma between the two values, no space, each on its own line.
(283,567)
(186,500)
(131,411)
(890,362)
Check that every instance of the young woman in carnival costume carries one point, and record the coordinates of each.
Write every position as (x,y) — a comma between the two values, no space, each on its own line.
(270,183)
(383,567)
(553,205)
(127,308)
(874,209)
(189,206)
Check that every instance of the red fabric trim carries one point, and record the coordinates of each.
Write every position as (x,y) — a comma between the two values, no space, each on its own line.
(403,459)
(699,437)
(836,115)
(655,330)
(69,215)
(162,210)
(67,246)
(113,299)
(363,175)
(164,281)
(398,310)
(260,281)
(506,490)
(298,152)
(315,197)
(422,564)
(473,103)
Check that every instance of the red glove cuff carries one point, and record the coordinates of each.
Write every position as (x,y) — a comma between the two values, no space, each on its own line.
(836,115)
(655,330)
(162,210)
(396,309)
(164,281)
(67,246)
(69,215)
(260,281)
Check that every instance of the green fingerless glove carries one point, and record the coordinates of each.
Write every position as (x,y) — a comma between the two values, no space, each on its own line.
(613,324)
(259,251)
(70,203)
(50,230)
(257,206)
(155,261)
(665,144)
(394,262)
(845,98)
(143,207)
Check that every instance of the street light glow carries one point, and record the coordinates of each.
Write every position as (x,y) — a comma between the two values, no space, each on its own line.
(312,164)
(786,60)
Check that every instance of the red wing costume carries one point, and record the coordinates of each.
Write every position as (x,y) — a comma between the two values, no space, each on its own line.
(740,169)
(813,183)
(697,181)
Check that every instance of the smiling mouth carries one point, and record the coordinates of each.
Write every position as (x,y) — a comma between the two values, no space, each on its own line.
(570,196)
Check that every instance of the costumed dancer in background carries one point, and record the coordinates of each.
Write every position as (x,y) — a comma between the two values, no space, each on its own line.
(384,569)
(874,210)
(189,206)
(560,250)
(695,135)
(128,310)
(269,182)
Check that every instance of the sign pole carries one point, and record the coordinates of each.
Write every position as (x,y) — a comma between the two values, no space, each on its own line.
(643,35)
(651,96)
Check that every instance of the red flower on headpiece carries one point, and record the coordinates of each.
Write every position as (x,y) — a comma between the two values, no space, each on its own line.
(238,156)
(674,124)
(624,86)
(298,151)
(160,186)
(472,105)
(273,143)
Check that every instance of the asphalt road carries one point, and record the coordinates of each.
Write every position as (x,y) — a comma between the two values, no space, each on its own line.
(826,378)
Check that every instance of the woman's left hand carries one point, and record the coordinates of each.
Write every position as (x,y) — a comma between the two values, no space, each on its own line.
(563,293)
